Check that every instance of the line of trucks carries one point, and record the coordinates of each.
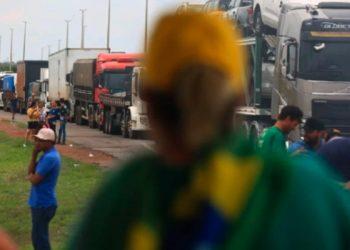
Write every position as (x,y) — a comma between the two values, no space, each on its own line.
(102,89)
(299,58)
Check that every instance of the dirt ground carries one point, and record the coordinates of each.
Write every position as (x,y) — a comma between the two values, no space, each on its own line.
(75,152)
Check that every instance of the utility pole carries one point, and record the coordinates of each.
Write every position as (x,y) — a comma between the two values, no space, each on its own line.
(59,44)
(0,47)
(48,50)
(42,53)
(82,27)
(11,45)
(109,24)
(146,26)
(67,32)
(24,40)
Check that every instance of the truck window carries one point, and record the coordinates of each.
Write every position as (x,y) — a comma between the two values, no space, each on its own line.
(117,83)
(325,60)
(245,3)
(224,4)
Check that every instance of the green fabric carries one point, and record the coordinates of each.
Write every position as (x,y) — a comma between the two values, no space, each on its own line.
(272,140)
(294,204)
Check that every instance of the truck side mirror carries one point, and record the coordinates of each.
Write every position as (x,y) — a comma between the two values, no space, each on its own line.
(291,61)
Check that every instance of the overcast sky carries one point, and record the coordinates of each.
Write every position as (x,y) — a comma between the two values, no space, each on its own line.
(46,24)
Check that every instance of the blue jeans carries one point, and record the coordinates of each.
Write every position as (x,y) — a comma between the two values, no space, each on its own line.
(62,132)
(41,218)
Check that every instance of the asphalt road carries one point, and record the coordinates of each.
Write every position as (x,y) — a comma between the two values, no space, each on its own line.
(116,146)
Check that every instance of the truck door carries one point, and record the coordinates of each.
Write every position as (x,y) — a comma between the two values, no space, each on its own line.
(288,71)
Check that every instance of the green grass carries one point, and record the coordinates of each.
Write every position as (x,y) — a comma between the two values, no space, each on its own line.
(76,183)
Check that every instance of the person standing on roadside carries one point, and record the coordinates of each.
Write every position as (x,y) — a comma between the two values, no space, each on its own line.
(43,175)
(207,186)
(53,116)
(274,139)
(14,102)
(313,131)
(63,113)
(33,114)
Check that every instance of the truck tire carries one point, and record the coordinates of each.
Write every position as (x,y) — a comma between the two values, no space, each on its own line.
(106,124)
(130,131)
(91,118)
(114,129)
(124,126)
(78,119)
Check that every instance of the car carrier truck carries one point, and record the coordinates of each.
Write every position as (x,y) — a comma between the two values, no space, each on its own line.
(311,68)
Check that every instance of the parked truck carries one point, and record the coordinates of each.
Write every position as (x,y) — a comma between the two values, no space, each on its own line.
(310,69)
(107,93)
(27,72)
(60,67)
(39,88)
(8,90)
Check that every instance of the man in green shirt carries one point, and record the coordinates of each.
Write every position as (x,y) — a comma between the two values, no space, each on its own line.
(207,187)
(274,139)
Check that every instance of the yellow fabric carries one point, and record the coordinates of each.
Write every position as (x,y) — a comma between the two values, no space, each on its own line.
(232,180)
(142,237)
(192,38)
(33,114)
(226,183)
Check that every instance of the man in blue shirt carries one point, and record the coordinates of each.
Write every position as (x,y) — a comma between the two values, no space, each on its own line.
(313,130)
(53,116)
(43,175)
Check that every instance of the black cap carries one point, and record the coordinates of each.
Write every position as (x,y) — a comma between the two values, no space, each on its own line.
(313,124)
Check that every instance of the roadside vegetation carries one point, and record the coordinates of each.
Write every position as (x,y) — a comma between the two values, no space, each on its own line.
(76,184)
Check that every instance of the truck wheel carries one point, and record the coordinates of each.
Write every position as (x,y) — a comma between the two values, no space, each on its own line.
(106,124)
(256,130)
(113,130)
(78,119)
(131,132)
(124,127)
(91,117)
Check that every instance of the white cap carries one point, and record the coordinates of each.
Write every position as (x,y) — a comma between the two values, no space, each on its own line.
(46,134)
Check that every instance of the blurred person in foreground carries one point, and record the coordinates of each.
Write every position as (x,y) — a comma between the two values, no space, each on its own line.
(43,175)
(313,131)
(274,139)
(336,152)
(331,134)
(207,187)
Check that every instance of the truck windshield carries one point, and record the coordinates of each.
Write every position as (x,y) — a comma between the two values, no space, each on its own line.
(325,61)
(117,83)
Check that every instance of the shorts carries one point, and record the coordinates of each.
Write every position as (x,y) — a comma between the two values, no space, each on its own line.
(33,125)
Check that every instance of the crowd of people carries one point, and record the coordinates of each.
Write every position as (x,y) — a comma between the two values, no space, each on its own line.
(207,186)
(317,142)
(40,116)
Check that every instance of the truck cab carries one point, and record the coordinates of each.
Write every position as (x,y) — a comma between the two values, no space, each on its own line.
(312,69)
(137,119)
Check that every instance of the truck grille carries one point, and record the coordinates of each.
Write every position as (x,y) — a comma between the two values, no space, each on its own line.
(334,113)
